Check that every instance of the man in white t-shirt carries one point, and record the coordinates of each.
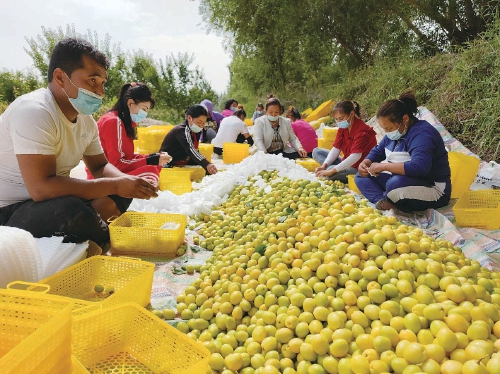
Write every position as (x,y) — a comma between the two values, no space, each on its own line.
(232,129)
(43,135)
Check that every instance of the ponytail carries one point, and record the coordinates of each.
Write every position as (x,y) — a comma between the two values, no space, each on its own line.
(348,106)
(139,93)
(395,109)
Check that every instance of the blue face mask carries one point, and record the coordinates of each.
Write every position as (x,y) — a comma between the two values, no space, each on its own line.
(86,103)
(233,109)
(395,135)
(260,112)
(343,124)
(139,116)
(272,118)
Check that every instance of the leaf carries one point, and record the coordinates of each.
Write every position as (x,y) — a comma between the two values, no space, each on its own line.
(178,270)
(196,248)
(260,249)
(289,210)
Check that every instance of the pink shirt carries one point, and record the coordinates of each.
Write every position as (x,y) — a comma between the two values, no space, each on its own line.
(306,134)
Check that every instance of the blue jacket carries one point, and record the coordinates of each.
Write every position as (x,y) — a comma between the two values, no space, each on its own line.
(424,149)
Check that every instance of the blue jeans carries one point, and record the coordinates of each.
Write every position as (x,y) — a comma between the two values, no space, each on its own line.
(408,194)
(320,155)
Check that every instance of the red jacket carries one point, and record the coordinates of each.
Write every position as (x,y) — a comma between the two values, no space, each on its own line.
(118,147)
(361,139)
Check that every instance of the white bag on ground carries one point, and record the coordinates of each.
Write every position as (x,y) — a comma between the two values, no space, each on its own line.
(488,177)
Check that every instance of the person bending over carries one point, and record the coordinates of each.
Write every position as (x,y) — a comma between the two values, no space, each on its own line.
(273,133)
(43,135)
(232,129)
(182,142)
(354,139)
(117,129)
(409,169)
(304,131)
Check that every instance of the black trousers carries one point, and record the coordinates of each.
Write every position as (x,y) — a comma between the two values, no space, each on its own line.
(291,155)
(67,216)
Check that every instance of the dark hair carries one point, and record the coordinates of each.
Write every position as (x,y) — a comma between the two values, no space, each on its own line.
(138,92)
(196,111)
(395,109)
(240,111)
(272,100)
(293,112)
(229,103)
(260,105)
(347,106)
(67,55)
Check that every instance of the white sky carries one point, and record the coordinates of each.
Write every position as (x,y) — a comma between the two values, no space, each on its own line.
(159,27)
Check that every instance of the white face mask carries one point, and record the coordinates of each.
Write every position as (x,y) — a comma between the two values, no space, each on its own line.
(195,128)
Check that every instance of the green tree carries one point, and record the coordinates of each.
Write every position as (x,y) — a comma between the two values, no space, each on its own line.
(15,84)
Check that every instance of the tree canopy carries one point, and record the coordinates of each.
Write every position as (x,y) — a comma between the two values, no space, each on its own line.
(278,45)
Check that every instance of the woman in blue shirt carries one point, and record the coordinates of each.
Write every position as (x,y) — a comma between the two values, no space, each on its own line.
(409,169)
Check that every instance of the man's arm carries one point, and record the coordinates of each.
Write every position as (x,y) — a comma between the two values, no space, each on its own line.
(99,167)
(39,175)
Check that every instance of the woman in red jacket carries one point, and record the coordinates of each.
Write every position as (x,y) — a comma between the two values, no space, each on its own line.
(117,133)
(355,139)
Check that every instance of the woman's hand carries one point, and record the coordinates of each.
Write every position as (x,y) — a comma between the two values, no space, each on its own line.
(165,158)
(211,168)
(302,152)
(322,167)
(326,173)
(363,168)
(376,168)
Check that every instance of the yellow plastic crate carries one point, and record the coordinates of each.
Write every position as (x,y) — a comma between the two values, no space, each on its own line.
(463,171)
(480,209)
(326,144)
(234,152)
(140,234)
(150,138)
(77,367)
(144,151)
(129,339)
(248,122)
(321,111)
(330,133)
(308,163)
(197,172)
(35,333)
(317,123)
(176,180)
(306,112)
(206,150)
(132,280)
(136,142)
(351,184)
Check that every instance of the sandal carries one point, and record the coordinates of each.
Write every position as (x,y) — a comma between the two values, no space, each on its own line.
(384,204)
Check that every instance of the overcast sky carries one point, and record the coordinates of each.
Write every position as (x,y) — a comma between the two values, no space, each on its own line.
(159,27)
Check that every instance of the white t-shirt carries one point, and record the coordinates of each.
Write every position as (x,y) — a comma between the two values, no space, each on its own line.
(34,124)
(229,129)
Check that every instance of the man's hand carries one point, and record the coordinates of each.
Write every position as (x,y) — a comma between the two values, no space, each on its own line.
(165,158)
(134,187)
(302,152)
(211,169)
(363,168)
(326,173)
